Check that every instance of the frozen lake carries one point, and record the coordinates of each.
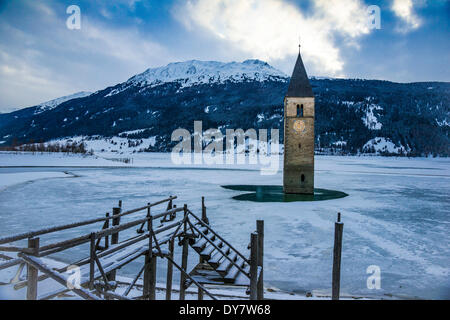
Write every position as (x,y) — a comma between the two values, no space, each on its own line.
(396,217)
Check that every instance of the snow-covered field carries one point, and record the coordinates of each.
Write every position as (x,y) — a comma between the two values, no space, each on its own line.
(396,215)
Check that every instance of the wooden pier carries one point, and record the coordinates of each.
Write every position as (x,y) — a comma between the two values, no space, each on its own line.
(110,248)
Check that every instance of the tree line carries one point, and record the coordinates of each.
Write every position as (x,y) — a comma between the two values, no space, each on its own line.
(67,147)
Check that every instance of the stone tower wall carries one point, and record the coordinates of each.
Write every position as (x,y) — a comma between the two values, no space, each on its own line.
(298,146)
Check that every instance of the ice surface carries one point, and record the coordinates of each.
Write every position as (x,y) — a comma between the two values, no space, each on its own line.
(11,179)
(396,217)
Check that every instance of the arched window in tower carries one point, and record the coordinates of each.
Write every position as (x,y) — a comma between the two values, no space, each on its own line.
(299,111)
(303,178)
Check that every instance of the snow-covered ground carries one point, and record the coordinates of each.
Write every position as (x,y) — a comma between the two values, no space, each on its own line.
(396,215)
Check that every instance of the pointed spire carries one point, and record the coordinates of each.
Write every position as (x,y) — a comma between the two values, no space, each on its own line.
(299,85)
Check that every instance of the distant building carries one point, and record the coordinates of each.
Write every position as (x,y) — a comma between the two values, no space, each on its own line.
(298,174)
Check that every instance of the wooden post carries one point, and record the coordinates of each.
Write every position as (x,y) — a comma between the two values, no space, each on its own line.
(184,258)
(115,238)
(107,226)
(204,217)
(92,261)
(152,278)
(253,265)
(150,266)
(115,222)
(200,291)
(205,220)
(169,205)
(260,231)
(170,271)
(32,272)
(336,281)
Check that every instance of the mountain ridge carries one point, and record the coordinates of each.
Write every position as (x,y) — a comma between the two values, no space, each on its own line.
(352,115)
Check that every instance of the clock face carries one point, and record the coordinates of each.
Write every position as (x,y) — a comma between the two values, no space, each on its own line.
(299,126)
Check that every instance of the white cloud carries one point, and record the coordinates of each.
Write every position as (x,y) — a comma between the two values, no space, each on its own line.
(126,45)
(270,29)
(45,60)
(404,9)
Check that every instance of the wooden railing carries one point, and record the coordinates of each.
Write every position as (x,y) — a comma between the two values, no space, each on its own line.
(99,267)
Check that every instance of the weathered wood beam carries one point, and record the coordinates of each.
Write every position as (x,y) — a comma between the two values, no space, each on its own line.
(32,272)
(35,233)
(170,270)
(218,236)
(253,265)
(336,277)
(62,279)
(260,231)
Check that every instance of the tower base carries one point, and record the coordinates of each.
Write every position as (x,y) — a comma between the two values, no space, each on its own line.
(299,179)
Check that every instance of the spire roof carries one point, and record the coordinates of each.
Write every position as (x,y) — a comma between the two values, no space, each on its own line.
(299,85)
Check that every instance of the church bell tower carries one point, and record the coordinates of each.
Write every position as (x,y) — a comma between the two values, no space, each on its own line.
(298,173)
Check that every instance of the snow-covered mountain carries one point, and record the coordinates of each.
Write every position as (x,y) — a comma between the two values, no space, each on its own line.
(352,115)
(49,105)
(195,72)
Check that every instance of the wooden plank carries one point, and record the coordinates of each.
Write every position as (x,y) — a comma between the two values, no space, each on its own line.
(217,235)
(221,251)
(234,271)
(208,250)
(127,291)
(225,265)
(218,257)
(66,243)
(114,295)
(13,249)
(5,257)
(62,279)
(10,263)
(35,233)
(166,213)
(45,250)
(199,245)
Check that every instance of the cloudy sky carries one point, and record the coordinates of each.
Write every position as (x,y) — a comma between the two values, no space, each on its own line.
(42,59)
